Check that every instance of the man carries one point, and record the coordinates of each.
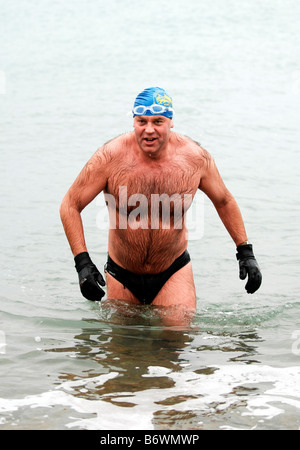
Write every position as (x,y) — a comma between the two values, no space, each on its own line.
(148,261)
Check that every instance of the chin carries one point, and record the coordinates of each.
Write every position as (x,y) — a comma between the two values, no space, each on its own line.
(152,148)
(151,151)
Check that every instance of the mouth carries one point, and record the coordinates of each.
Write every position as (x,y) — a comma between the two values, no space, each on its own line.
(150,140)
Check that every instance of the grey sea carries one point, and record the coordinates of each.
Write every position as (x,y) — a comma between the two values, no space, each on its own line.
(69,73)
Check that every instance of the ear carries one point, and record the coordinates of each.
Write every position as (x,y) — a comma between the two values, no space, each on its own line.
(172,124)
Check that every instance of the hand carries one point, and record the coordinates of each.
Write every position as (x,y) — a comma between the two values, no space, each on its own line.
(248,266)
(89,277)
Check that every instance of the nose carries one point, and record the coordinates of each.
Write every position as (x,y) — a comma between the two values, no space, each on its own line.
(149,128)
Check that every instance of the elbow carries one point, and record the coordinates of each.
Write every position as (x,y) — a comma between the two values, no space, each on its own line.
(62,209)
(68,208)
(222,202)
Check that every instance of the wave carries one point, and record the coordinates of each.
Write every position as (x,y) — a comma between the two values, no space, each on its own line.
(253,396)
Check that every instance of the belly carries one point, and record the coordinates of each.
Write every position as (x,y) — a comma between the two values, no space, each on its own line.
(146,250)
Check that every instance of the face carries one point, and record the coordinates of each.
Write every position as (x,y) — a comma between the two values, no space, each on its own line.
(152,133)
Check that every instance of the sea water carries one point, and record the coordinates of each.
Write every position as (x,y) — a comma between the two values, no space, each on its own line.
(69,74)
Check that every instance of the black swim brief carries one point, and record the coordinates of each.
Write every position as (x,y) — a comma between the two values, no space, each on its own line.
(145,287)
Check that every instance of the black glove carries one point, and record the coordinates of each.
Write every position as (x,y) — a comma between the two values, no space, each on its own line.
(248,265)
(89,277)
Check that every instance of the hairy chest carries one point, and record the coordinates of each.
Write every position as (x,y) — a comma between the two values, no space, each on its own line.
(151,197)
(169,179)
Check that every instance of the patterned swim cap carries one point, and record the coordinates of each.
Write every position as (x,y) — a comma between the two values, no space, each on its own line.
(154,96)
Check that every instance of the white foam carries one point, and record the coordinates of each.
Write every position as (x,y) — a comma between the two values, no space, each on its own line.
(99,380)
(276,389)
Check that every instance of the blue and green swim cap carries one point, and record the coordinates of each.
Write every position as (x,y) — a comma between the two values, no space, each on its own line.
(153,101)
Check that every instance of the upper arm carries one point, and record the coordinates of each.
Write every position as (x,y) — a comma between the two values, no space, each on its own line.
(91,180)
(212,184)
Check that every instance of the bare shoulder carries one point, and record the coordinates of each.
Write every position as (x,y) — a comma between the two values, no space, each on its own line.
(114,147)
(103,158)
(192,150)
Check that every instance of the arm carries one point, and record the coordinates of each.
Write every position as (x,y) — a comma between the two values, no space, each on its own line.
(213,186)
(89,183)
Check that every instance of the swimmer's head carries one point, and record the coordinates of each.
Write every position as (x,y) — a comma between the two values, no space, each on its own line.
(153,101)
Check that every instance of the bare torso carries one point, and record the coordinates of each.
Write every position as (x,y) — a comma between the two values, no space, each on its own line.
(134,171)
(143,245)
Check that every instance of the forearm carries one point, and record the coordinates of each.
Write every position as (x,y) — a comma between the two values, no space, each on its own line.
(72,223)
(90,279)
(231,217)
